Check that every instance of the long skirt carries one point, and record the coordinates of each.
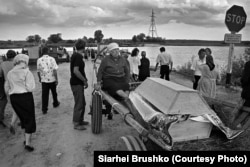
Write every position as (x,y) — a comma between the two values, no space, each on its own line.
(23,105)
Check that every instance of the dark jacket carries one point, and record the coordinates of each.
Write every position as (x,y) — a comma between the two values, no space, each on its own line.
(110,67)
(245,81)
(144,71)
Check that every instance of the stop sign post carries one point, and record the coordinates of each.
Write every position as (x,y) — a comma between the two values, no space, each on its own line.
(235,20)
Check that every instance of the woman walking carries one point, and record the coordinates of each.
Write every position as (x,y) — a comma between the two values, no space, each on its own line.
(134,62)
(19,85)
(209,77)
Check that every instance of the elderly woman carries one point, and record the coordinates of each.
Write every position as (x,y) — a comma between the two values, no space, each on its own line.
(114,75)
(209,77)
(19,85)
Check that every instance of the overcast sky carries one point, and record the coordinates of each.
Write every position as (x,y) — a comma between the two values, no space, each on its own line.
(175,19)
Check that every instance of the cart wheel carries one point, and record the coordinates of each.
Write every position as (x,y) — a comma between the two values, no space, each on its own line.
(96,119)
(131,143)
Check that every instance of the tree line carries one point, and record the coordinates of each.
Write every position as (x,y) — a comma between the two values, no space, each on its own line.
(97,38)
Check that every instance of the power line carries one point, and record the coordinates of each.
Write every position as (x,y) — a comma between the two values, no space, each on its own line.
(152,28)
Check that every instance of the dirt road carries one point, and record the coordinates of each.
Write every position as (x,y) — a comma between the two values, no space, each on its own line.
(56,142)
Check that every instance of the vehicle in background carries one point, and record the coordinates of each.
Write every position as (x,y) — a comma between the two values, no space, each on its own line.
(59,53)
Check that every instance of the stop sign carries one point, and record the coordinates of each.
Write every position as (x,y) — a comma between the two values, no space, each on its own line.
(235,18)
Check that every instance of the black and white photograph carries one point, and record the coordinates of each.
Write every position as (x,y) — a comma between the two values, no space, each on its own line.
(124,83)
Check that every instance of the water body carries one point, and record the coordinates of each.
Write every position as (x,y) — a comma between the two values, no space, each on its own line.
(180,54)
(183,54)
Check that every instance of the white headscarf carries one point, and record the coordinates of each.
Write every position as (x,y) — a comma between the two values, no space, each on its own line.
(21,60)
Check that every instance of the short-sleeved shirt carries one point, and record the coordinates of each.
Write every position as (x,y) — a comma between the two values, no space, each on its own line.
(134,63)
(164,59)
(77,61)
(46,66)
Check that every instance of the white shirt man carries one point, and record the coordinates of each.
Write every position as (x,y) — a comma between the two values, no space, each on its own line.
(47,74)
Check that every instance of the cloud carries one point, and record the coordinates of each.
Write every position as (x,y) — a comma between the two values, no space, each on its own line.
(90,13)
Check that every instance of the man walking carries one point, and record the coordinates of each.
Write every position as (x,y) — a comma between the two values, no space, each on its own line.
(78,83)
(47,74)
(165,60)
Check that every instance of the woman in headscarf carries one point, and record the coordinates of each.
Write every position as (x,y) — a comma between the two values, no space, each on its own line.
(113,74)
(209,77)
(19,85)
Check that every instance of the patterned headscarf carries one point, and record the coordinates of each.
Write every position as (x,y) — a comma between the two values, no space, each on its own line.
(21,58)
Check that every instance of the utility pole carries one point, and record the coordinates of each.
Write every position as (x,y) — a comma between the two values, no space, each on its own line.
(152,27)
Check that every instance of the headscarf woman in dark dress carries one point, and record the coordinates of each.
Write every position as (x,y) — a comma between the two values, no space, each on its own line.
(113,74)
(144,71)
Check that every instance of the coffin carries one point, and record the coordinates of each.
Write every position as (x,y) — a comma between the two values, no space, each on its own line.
(155,95)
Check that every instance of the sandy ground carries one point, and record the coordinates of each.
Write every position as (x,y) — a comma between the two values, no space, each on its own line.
(56,142)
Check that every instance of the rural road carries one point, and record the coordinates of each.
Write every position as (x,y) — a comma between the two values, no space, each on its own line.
(56,143)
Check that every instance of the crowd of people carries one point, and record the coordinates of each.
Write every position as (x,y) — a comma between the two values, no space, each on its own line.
(117,69)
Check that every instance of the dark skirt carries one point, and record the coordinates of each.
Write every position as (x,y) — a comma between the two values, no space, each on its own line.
(23,105)
(111,85)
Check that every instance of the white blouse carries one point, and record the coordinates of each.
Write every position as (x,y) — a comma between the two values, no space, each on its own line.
(19,80)
(134,62)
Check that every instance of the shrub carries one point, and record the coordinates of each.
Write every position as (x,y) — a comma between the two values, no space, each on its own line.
(185,69)
(237,70)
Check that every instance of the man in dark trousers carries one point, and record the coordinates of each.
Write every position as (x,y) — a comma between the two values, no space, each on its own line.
(165,60)
(78,83)
(47,74)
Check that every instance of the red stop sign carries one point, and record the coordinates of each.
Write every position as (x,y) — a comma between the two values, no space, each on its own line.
(235,18)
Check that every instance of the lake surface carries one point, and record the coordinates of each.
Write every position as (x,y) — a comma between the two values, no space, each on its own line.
(180,54)
(183,54)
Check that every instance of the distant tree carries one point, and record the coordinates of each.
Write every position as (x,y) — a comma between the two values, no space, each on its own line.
(55,38)
(91,40)
(37,38)
(141,37)
(148,38)
(110,40)
(85,38)
(30,38)
(34,38)
(9,41)
(43,41)
(134,38)
(98,36)
(70,41)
